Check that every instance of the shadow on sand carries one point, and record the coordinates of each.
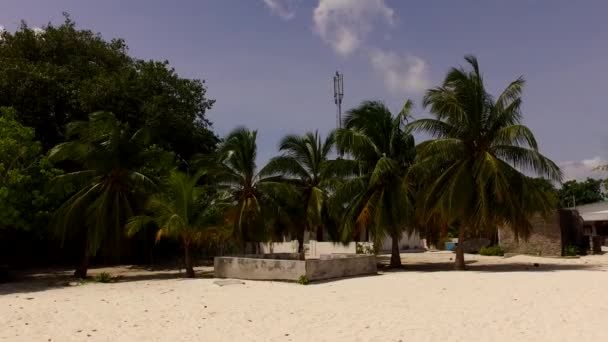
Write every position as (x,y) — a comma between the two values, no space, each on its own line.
(57,278)
(545,265)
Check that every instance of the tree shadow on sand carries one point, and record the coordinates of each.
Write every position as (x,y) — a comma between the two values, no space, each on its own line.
(30,281)
(546,265)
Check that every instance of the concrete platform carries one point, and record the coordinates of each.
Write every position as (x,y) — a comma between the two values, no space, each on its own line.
(287,267)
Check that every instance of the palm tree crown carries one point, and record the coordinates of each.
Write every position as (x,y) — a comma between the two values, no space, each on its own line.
(108,186)
(479,153)
(184,211)
(380,197)
(251,192)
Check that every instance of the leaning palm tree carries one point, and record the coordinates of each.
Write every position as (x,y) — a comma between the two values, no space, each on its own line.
(185,211)
(108,186)
(305,164)
(478,155)
(252,193)
(380,198)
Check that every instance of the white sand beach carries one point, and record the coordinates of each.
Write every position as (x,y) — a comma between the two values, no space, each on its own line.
(496,300)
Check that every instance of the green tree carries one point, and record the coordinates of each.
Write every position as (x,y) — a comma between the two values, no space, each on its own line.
(108,188)
(305,164)
(380,198)
(573,193)
(185,212)
(253,194)
(64,73)
(23,173)
(480,151)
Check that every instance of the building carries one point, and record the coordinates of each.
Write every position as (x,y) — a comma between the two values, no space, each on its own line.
(549,236)
(595,223)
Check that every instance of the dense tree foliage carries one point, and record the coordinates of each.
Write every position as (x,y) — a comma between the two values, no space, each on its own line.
(24,173)
(573,193)
(58,75)
(62,74)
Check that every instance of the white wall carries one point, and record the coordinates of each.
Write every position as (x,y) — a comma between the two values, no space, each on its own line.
(314,249)
(406,242)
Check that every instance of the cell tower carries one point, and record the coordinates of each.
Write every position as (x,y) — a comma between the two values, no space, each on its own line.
(338,94)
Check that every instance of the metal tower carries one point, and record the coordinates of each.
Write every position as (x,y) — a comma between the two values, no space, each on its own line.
(338,94)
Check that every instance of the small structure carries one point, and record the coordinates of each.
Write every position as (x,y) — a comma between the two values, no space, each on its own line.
(286,266)
(595,224)
(549,235)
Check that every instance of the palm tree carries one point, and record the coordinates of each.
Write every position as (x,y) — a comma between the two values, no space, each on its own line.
(305,164)
(252,193)
(186,211)
(107,188)
(380,198)
(478,155)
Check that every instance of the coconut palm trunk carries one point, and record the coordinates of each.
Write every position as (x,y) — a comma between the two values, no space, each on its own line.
(395,255)
(189,264)
(459,263)
(82,270)
(301,253)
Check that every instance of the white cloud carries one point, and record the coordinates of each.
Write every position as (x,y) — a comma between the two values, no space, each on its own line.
(280,8)
(582,169)
(344,24)
(401,73)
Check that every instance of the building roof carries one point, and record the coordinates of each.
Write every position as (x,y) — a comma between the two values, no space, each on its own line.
(594,211)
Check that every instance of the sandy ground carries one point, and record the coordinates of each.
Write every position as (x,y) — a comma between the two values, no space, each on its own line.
(496,300)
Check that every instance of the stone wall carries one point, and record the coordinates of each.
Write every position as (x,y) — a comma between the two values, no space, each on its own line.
(327,267)
(336,266)
(545,239)
(258,269)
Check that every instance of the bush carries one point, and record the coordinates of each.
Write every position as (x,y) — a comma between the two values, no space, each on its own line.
(366,248)
(492,251)
(103,277)
(570,250)
(303,280)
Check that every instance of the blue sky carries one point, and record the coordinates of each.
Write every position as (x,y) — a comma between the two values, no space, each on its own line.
(269,63)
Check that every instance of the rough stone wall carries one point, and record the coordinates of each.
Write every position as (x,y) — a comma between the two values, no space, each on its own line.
(327,267)
(338,266)
(545,239)
(258,269)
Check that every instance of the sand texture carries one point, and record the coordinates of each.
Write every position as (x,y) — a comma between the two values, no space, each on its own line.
(496,300)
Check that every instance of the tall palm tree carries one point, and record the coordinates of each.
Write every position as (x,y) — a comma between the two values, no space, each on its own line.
(478,155)
(380,198)
(108,186)
(305,164)
(185,211)
(252,193)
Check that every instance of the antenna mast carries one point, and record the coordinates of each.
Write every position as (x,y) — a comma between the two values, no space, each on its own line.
(338,94)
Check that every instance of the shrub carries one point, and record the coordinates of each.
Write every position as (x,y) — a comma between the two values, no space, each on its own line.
(570,250)
(492,251)
(103,277)
(367,248)
(303,280)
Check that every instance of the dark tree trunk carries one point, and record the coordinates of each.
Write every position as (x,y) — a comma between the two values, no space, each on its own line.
(395,255)
(301,244)
(188,261)
(459,264)
(319,233)
(83,268)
